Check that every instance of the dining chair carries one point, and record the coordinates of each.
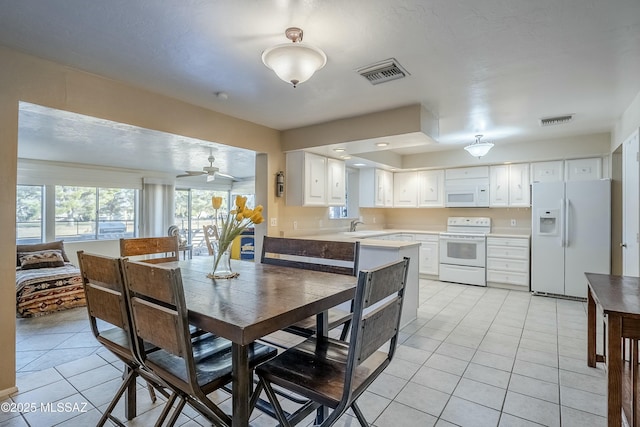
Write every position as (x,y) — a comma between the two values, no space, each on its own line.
(210,236)
(161,249)
(334,373)
(109,317)
(319,255)
(192,369)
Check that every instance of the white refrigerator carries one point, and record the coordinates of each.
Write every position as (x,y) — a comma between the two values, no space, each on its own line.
(571,235)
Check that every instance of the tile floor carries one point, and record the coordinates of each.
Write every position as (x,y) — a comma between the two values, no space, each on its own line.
(474,357)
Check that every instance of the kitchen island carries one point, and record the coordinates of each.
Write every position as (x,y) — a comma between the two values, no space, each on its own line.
(375,252)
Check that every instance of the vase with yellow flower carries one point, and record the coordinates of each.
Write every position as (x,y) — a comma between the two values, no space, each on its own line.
(238,220)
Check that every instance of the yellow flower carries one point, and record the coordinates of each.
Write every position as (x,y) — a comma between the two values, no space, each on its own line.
(216,202)
(256,218)
(258,208)
(239,217)
(247,213)
(241,203)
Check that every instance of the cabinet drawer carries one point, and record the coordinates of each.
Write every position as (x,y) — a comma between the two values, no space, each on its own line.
(519,266)
(427,237)
(506,241)
(507,252)
(520,279)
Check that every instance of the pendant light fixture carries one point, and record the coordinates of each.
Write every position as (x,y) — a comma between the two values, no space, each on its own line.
(294,62)
(479,149)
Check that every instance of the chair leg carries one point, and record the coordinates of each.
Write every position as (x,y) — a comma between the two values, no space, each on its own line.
(273,399)
(166,409)
(152,392)
(128,378)
(177,412)
(359,415)
(345,330)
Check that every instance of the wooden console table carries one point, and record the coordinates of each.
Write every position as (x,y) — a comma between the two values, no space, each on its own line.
(619,299)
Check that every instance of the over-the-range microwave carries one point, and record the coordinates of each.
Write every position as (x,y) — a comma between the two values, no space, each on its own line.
(467,193)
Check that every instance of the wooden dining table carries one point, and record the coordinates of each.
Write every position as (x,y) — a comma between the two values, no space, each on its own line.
(619,299)
(261,300)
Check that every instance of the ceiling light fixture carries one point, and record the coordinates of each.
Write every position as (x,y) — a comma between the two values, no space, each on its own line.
(479,149)
(339,150)
(381,144)
(294,62)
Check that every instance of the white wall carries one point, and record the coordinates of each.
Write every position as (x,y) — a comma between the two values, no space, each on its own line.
(628,123)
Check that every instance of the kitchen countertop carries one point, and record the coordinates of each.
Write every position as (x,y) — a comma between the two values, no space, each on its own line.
(368,237)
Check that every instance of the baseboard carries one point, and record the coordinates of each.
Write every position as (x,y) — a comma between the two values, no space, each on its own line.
(8,392)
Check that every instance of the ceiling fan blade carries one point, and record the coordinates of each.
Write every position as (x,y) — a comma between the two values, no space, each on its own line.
(227,176)
(190,173)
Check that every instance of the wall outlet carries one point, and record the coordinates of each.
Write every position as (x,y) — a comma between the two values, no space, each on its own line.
(274,222)
(295,225)
(513,223)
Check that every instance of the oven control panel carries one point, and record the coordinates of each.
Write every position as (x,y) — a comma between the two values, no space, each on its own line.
(458,221)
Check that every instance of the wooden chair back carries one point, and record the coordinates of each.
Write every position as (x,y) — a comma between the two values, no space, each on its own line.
(210,236)
(162,249)
(376,317)
(103,284)
(319,255)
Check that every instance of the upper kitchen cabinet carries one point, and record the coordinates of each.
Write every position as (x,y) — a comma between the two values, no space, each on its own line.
(567,170)
(583,169)
(376,188)
(509,185)
(336,182)
(431,189)
(547,171)
(312,180)
(405,189)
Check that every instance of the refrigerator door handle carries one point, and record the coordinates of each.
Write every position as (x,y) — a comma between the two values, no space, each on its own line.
(567,205)
(563,224)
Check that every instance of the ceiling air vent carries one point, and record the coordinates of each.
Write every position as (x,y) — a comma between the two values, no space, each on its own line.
(557,120)
(383,71)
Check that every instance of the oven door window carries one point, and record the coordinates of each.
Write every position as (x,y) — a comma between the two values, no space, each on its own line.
(462,250)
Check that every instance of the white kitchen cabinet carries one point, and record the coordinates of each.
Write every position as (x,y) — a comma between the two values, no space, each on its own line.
(583,169)
(306,179)
(508,261)
(405,189)
(376,188)
(499,186)
(509,185)
(547,171)
(336,182)
(429,255)
(431,188)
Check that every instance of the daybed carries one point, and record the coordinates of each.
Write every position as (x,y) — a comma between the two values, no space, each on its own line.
(45,280)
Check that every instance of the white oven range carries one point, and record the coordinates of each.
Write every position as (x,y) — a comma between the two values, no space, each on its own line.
(463,250)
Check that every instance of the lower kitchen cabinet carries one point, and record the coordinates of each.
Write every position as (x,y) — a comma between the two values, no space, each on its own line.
(428,253)
(508,261)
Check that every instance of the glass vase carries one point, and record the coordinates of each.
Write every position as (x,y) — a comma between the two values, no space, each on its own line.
(222,263)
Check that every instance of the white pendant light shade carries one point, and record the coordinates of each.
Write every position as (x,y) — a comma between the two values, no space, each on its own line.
(479,149)
(294,62)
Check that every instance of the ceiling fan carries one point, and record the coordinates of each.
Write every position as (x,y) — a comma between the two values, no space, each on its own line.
(210,171)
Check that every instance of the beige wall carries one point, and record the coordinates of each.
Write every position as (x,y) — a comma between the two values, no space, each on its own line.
(26,78)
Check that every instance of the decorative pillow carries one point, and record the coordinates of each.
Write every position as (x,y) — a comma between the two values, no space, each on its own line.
(41,259)
(57,245)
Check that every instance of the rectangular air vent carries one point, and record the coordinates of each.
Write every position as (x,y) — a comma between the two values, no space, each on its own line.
(557,120)
(383,71)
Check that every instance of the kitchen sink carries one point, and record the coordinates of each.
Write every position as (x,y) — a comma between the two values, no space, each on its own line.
(363,233)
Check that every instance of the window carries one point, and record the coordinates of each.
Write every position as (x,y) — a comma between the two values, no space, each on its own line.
(194,210)
(77,213)
(29,204)
(89,213)
(350,209)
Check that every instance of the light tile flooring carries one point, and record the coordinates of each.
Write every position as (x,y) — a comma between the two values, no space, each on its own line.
(474,357)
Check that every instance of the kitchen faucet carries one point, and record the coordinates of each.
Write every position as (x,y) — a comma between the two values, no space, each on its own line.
(354,224)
